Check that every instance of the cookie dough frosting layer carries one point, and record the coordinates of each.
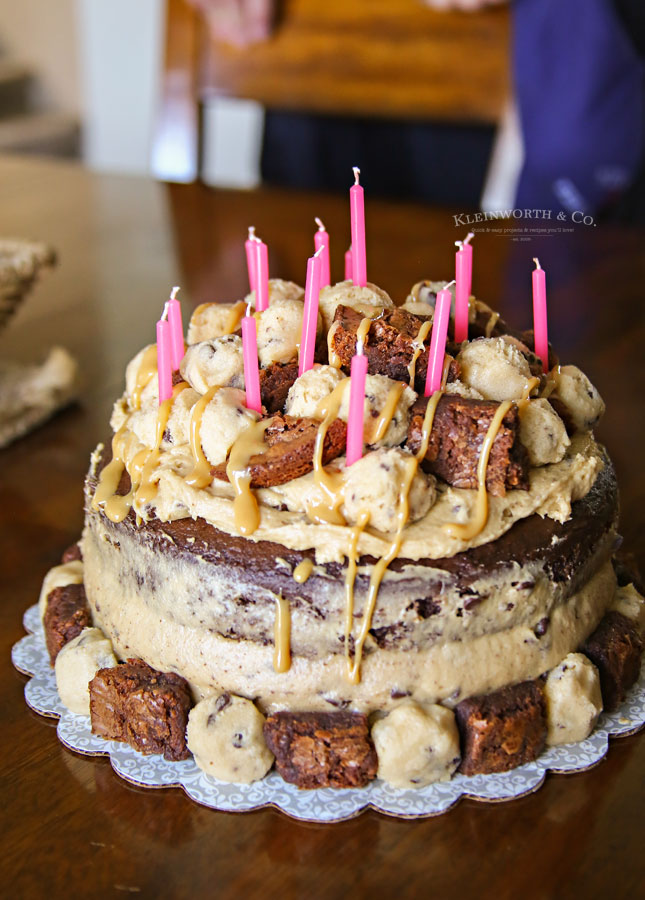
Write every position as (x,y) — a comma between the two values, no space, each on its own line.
(189,598)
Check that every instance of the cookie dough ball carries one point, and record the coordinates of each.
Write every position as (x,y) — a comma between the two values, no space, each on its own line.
(225,736)
(213,320)
(279,331)
(416,745)
(543,433)
(223,421)
(378,390)
(59,576)
(279,290)
(310,389)
(573,700)
(631,604)
(583,404)
(373,484)
(367,300)
(136,366)
(77,664)
(462,390)
(218,361)
(494,367)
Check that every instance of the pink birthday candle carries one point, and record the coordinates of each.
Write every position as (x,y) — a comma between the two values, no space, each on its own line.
(438,341)
(356,406)
(310,312)
(249,246)
(262,276)
(348,264)
(463,285)
(250,356)
(321,242)
(164,353)
(177,348)
(540,327)
(357,211)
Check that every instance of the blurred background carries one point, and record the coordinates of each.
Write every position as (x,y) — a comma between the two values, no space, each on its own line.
(474,103)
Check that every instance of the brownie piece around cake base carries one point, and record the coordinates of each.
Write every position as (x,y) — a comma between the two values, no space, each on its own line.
(615,649)
(502,730)
(140,706)
(315,749)
(66,615)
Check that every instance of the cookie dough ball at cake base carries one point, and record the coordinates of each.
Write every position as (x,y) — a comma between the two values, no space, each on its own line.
(573,700)
(59,576)
(76,665)
(630,604)
(416,745)
(225,736)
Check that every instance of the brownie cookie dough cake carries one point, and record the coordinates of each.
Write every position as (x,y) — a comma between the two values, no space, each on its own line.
(447,603)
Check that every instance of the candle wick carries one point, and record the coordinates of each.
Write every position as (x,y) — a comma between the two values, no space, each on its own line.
(469,237)
(357,172)
(252,236)
(319,223)
(164,315)
(174,292)
(537,262)
(319,251)
(359,347)
(248,309)
(459,244)
(449,285)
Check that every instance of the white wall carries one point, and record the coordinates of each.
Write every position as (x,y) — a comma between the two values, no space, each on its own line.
(43,34)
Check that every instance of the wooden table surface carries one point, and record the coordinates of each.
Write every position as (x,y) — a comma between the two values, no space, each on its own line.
(69,824)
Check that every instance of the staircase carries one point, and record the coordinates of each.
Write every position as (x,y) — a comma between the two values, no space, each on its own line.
(24,127)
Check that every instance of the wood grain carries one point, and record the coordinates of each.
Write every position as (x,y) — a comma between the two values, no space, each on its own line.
(371,58)
(71,827)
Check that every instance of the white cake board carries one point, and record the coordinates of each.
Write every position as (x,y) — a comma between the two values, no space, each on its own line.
(323,805)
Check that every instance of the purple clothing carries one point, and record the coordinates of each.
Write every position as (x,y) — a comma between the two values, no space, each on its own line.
(580,87)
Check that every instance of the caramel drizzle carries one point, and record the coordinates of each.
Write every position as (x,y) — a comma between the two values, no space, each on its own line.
(235,317)
(362,331)
(551,384)
(445,371)
(146,372)
(422,334)
(303,570)
(142,467)
(200,476)
(381,566)
(282,636)
(428,421)
(387,413)
(477,524)
(525,399)
(490,325)
(328,509)
(350,580)
(334,358)
(245,504)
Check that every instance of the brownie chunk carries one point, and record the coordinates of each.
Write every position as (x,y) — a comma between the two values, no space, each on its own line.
(615,649)
(389,345)
(72,553)
(458,431)
(290,444)
(275,382)
(502,730)
(66,615)
(145,708)
(320,749)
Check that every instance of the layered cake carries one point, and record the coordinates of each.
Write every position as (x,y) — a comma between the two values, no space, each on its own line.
(447,603)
